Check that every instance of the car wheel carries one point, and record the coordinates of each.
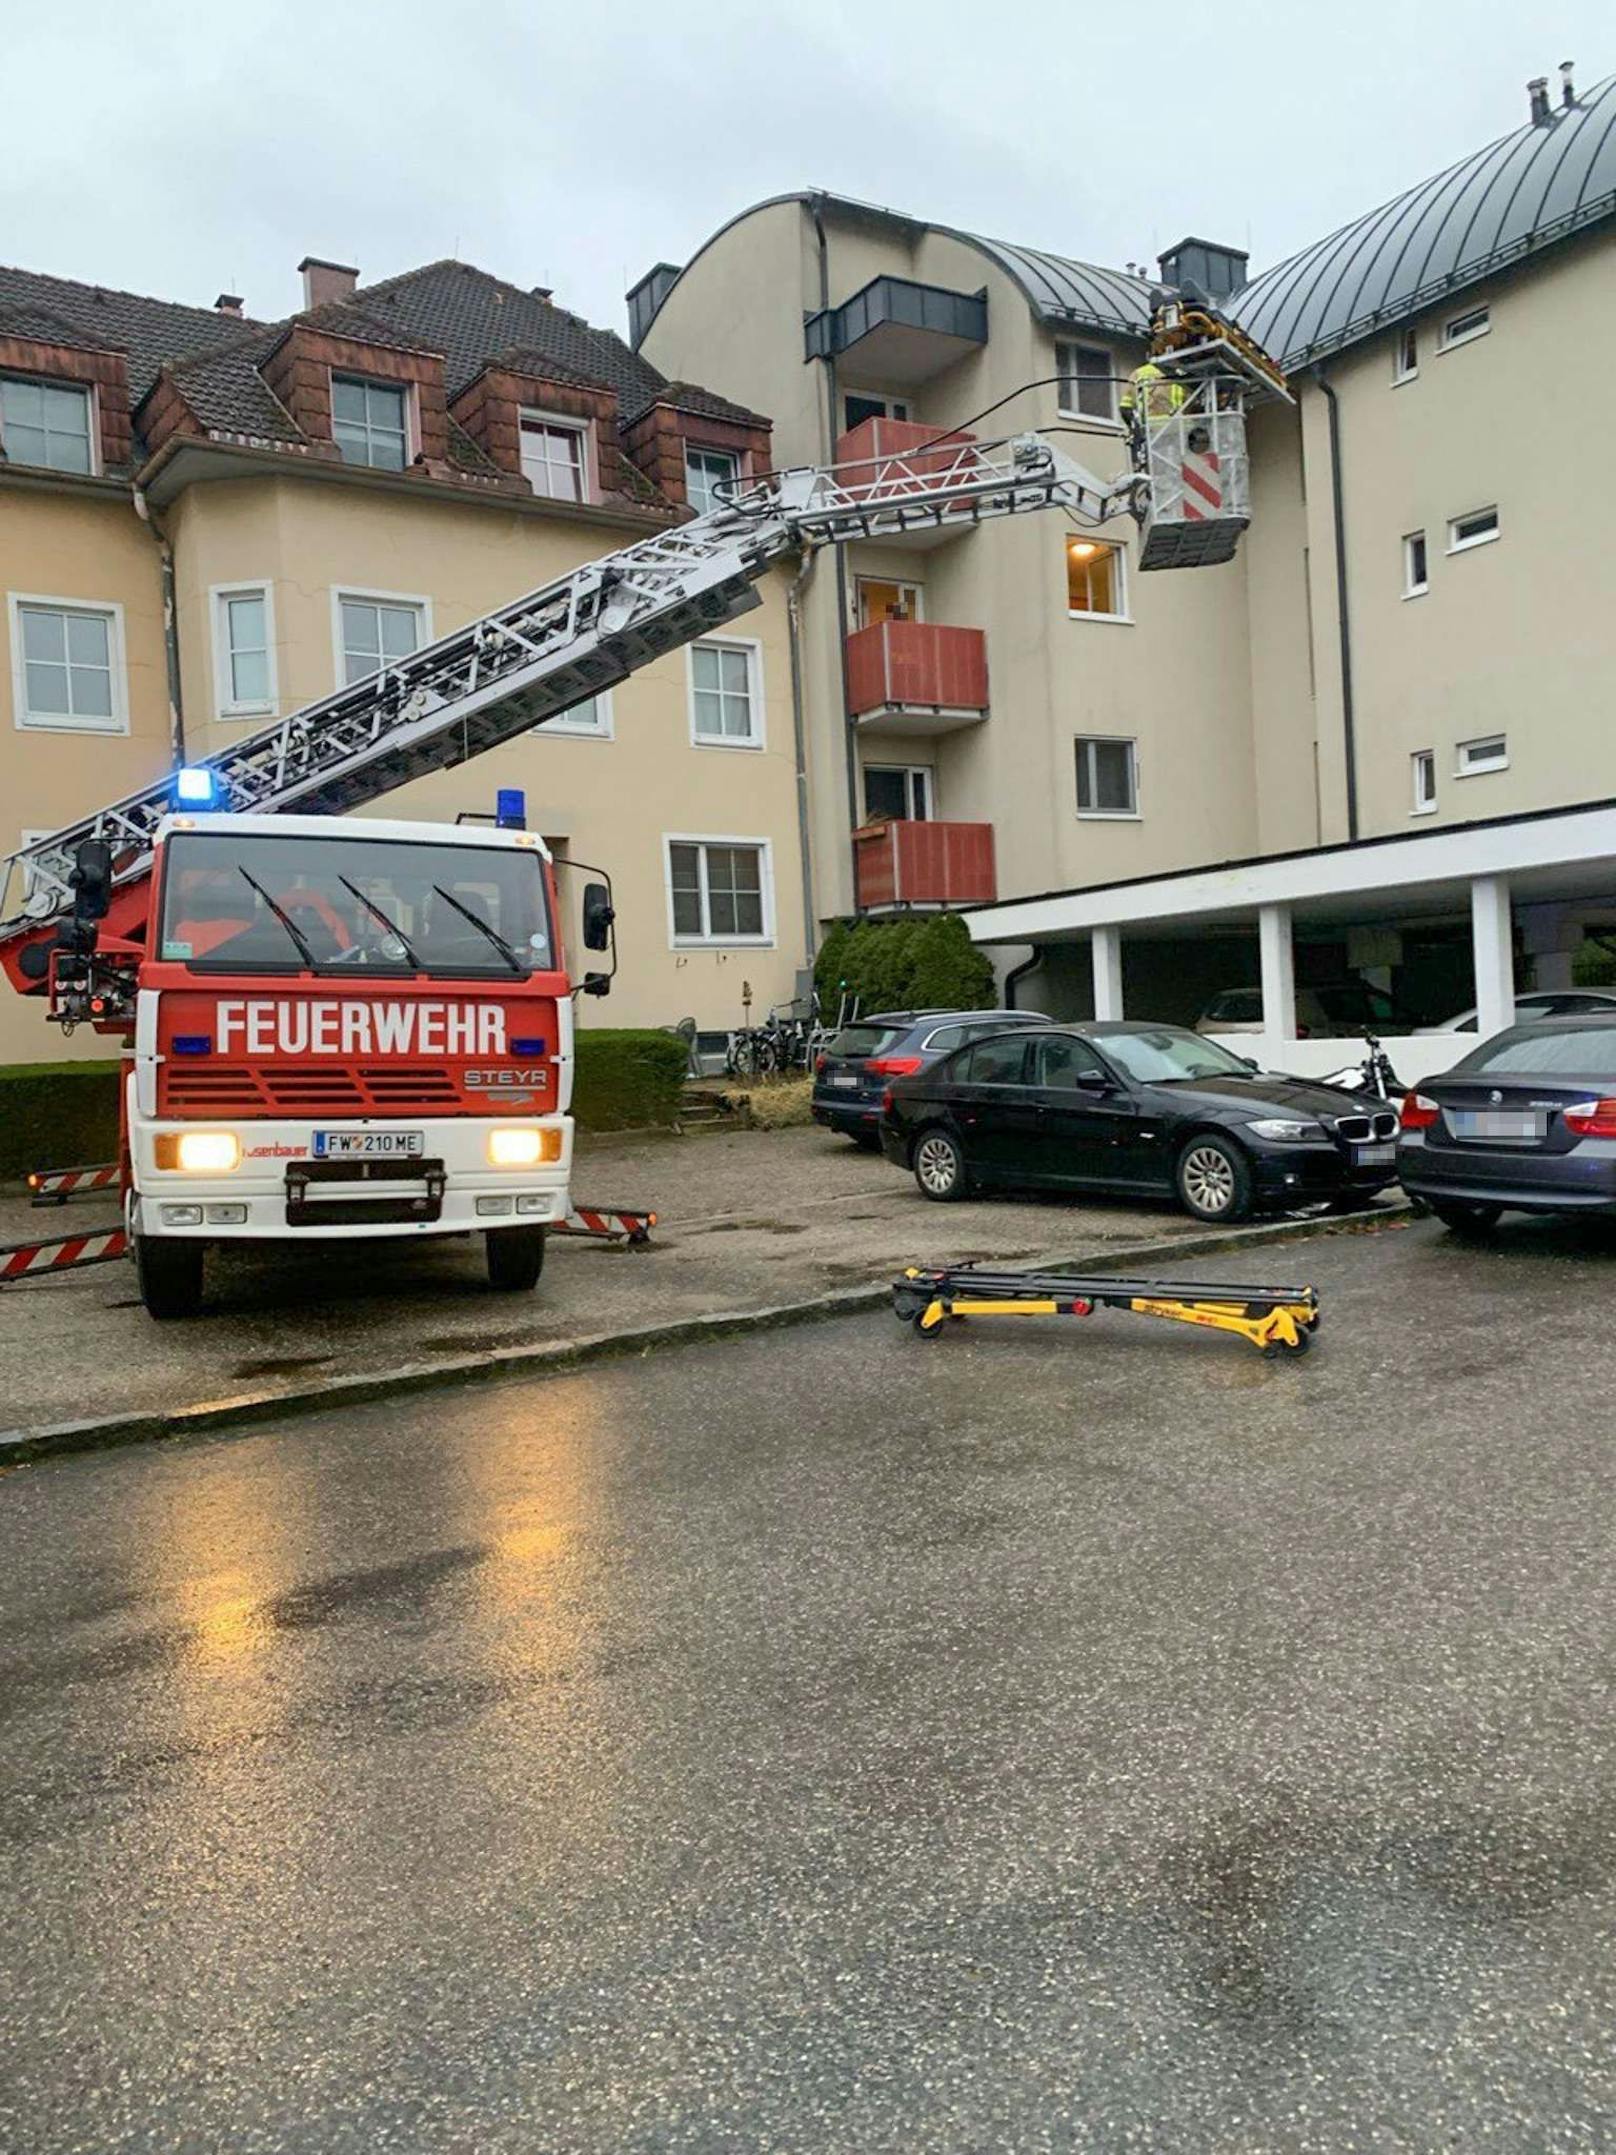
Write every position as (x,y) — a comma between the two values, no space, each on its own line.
(169,1274)
(1214,1179)
(515,1258)
(940,1167)
(1462,1217)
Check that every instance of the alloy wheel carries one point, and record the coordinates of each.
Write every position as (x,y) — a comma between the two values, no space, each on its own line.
(1208,1179)
(936,1164)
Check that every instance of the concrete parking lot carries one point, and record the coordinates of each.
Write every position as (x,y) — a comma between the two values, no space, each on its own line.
(1063,1736)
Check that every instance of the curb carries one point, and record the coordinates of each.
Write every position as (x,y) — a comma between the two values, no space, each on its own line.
(246,1409)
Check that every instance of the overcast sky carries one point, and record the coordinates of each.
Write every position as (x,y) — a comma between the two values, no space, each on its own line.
(196,146)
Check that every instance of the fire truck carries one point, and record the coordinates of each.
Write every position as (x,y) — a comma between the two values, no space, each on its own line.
(343,1029)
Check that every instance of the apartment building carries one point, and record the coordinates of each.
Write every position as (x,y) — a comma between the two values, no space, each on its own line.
(1398,683)
(208,520)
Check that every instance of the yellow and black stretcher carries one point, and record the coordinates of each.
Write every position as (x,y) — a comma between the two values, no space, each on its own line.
(1279,1320)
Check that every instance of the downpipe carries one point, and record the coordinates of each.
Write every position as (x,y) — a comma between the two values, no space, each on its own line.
(171,629)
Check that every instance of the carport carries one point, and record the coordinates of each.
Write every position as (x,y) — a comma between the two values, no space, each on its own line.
(1536,881)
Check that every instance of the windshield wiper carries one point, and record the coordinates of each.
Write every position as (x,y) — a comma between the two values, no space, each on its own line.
(305,949)
(492,934)
(376,913)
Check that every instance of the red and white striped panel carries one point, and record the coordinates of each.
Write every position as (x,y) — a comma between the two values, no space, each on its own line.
(610,1225)
(49,1185)
(1203,483)
(26,1260)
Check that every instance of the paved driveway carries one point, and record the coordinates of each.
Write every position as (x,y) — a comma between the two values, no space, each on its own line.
(1072,1736)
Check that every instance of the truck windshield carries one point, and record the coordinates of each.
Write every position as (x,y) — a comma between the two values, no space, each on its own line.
(350,905)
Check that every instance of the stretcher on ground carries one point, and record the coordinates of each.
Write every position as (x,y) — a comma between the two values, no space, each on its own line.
(1279,1320)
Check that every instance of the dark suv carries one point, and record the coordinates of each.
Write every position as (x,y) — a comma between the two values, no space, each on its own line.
(864,1058)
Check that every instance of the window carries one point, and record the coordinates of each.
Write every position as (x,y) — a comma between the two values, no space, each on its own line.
(720,890)
(1060,1061)
(999,1061)
(369,423)
(726,703)
(1416,579)
(67,666)
(1474,529)
(1490,753)
(375,629)
(243,650)
(1462,328)
(1107,777)
(902,791)
(1087,390)
(554,460)
(705,471)
(1422,767)
(869,404)
(1095,584)
(590,720)
(1406,356)
(879,601)
(46,423)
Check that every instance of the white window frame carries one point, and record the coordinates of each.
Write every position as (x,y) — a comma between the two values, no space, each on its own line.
(1457,545)
(909,772)
(561,423)
(339,592)
(403,390)
(225,705)
(1122,593)
(753,649)
(1468,765)
(53,721)
(1422,766)
(1063,345)
(1413,589)
(764,848)
(92,399)
(1404,370)
(732,457)
(570,728)
(888,397)
(1465,327)
(1080,741)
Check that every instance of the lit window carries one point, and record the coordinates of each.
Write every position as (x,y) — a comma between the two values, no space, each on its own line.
(724,703)
(718,890)
(1462,328)
(1095,582)
(244,655)
(368,423)
(377,633)
(1415,569)
(706,471)
(591,719)
(553,461)
(879,600)
(1474,529)
(1107,777)
(1087,390)
(1490,753)
(1422,766)
(46,423)
(1406,356)
(67,666)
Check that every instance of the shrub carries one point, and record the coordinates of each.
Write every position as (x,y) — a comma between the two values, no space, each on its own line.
(627,1080)
(920,960)
(57,1115)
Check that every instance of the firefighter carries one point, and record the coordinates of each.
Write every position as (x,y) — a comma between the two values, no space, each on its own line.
(1149,395)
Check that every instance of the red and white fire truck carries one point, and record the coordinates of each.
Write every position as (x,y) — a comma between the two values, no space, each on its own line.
(355,1028)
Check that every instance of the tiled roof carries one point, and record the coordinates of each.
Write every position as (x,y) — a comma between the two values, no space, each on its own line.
(691,397)
(151,331)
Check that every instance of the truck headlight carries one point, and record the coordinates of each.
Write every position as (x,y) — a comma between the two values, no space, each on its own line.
(1283,1131)
(199,1152)
(520,1145)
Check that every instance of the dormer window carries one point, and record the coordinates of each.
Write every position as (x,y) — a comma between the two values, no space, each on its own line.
(370,422)
(46,423)
(709,474)
(555,457)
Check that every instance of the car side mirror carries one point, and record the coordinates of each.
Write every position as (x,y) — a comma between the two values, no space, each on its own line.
(1251,1062)
(1091,1080)
(599,914)
(91,879)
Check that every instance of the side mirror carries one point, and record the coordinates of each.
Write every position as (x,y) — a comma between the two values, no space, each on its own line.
(91,879)
(597,984)
(1091,1081)
(599,914)
(1251,1062)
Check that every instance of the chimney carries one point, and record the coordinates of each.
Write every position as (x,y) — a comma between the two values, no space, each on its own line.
(645,297)
(1537,100)
(228,303)
(1218,270)
(1568,95)
(326,281)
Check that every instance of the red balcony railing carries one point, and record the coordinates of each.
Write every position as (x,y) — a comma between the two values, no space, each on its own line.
(924,864)
(917,664)
(933,452)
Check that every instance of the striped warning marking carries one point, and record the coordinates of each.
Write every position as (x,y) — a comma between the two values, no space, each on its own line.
(611,1224)
(1200,476)
(25,1260)
(55,1185)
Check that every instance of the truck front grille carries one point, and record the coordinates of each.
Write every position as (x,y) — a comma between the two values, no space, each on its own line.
(246,1089)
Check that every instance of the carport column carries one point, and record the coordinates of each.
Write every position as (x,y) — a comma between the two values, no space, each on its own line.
(1493,948)
(1278,971)
(1106,948)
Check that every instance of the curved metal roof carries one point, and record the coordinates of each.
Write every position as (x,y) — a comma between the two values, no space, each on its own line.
(1063,290)
(1520,194)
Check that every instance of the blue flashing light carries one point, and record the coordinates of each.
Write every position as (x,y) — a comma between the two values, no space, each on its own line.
(193,1043)
(196,786)
(510,808)
(529,1045)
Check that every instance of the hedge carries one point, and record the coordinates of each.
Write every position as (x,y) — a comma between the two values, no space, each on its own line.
(920,961)
(66,1114)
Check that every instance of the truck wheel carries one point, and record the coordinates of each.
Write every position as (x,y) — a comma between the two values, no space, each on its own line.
(515,1258)
(169,1272)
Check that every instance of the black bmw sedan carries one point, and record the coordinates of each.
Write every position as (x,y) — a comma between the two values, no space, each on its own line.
(1147,1109)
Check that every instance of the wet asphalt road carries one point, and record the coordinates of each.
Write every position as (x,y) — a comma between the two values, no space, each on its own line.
(1065,1736)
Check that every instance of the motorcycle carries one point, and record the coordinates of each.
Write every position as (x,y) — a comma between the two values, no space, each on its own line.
(1373,1076)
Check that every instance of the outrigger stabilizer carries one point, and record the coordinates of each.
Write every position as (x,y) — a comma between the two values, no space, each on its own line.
(1279,1320)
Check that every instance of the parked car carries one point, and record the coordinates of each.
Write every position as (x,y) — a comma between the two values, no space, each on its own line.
(1339,1012)
(864,1058)
(1526,1122)
(1151,1109)
(1541,1003)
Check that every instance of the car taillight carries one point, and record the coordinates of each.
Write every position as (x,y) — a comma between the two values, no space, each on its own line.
(1417,1112)
(893,1065)
(820,1062)
(1591,1118)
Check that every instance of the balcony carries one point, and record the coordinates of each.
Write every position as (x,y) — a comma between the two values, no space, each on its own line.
(896,450)
(924,864)
(916,677)
(899,332)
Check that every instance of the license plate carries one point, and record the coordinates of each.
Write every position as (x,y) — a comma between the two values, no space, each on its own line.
(368,1144)
(845,1080)
(1375,1155)
(1510,1129)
